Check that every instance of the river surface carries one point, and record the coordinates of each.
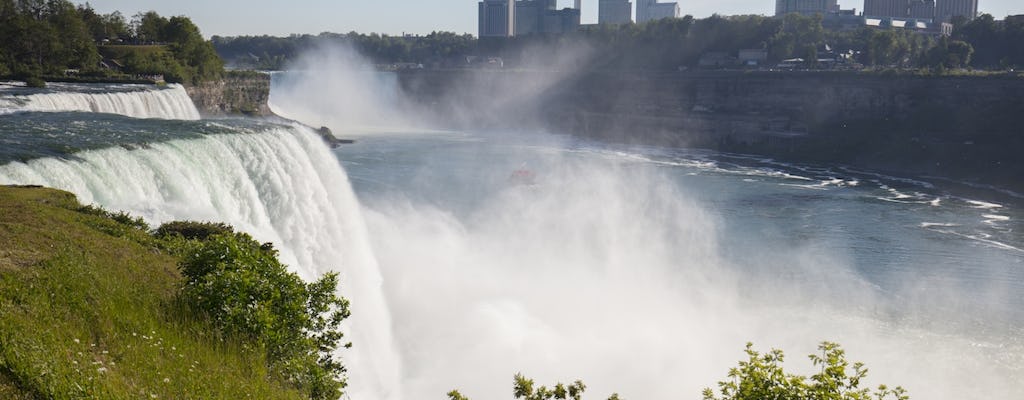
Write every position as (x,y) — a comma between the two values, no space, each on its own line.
(473,256)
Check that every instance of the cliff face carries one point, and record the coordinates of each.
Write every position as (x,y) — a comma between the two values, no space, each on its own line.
(239,93)
(966,128)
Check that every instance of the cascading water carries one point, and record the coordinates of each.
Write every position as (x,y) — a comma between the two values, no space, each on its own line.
(282,186)
(638,273)
(136,101)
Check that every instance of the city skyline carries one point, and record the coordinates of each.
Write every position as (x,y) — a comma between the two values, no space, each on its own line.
(259,17)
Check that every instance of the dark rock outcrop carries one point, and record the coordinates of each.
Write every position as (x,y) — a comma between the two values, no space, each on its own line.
(238,93)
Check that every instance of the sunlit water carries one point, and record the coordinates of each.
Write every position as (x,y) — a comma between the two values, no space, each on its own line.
(646,270)
(470,257)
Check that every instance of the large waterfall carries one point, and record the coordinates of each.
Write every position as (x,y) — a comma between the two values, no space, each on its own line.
(283,186)
(134,101)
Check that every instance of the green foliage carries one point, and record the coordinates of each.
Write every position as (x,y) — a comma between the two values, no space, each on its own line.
(248,294)
(45,38)
(120,217)
(526,389)
(35,82)
(763,377)
(191,230)
(88,315)
(950,54)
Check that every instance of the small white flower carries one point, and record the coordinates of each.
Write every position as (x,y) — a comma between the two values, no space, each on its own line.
(167,380)
(101,370)
(77,341)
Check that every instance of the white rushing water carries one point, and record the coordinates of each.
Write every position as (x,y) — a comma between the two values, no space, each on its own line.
(283,186)
(171,102)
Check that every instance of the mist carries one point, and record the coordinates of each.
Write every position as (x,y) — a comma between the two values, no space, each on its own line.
(613,270)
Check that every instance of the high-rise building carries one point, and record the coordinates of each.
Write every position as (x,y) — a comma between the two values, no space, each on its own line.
(918,9)
(497,18)
(806,7)
(922,9)
(887,8)
(945,10)
(530,15)
(649,10)
(543,16)
(614,12)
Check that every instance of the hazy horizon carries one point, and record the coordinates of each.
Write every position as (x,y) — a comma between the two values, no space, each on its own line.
(264,17)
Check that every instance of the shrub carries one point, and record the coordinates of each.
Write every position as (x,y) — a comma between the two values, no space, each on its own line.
(120,217)
(249,295)
(762,377)
(35,82)
(192,230)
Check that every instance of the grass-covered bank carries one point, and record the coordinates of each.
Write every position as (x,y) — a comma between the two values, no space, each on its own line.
(92,305)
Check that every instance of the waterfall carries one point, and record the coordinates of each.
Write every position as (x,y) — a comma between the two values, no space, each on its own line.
(282,186)
(171,102)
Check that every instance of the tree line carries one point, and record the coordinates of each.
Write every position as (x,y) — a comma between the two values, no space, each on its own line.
(46,38)
(669,44)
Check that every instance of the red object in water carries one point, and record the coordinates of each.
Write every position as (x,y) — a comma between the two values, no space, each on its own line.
(522,177)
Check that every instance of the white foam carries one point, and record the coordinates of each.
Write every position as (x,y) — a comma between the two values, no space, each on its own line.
(139,102)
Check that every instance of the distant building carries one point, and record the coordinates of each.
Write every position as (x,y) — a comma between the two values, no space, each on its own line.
(649,10)
(542,16)
(806,7)
(614,12)
(530,15)
(945,10)
(497,18)
(844,20)
(886,8)
(922,9)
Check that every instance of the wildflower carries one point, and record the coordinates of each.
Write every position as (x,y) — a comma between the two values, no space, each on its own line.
(77,341)
(167,380)
(101,370)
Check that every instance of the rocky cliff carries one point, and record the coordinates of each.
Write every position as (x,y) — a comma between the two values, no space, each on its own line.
(965,128)
(239,93)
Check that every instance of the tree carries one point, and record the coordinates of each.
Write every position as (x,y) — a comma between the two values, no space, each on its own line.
(148,27)
(762,377)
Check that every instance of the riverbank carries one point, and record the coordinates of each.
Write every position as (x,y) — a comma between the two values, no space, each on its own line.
(956,127)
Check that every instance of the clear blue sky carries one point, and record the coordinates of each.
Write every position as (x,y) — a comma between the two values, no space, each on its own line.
(283,17)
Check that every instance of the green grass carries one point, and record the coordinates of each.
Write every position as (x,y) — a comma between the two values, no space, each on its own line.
(88,310)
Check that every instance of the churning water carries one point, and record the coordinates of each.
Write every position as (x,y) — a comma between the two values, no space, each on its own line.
(471,256)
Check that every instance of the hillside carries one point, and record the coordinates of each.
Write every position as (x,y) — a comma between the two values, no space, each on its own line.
(88,309)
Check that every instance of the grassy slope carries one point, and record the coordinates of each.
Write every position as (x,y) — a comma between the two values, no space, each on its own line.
(87,311)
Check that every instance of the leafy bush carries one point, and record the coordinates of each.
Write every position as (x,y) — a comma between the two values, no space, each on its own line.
(249,295)
(35,82)
(762,377)
(120,217)
(526,389)
(192,230)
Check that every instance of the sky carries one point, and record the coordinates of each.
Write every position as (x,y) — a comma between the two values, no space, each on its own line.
(395,17)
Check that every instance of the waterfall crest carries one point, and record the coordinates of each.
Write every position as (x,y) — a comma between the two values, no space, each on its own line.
(171,102)
(282,186)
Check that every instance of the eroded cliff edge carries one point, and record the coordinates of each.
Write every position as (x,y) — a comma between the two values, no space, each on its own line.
(968,128)
(238,93)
